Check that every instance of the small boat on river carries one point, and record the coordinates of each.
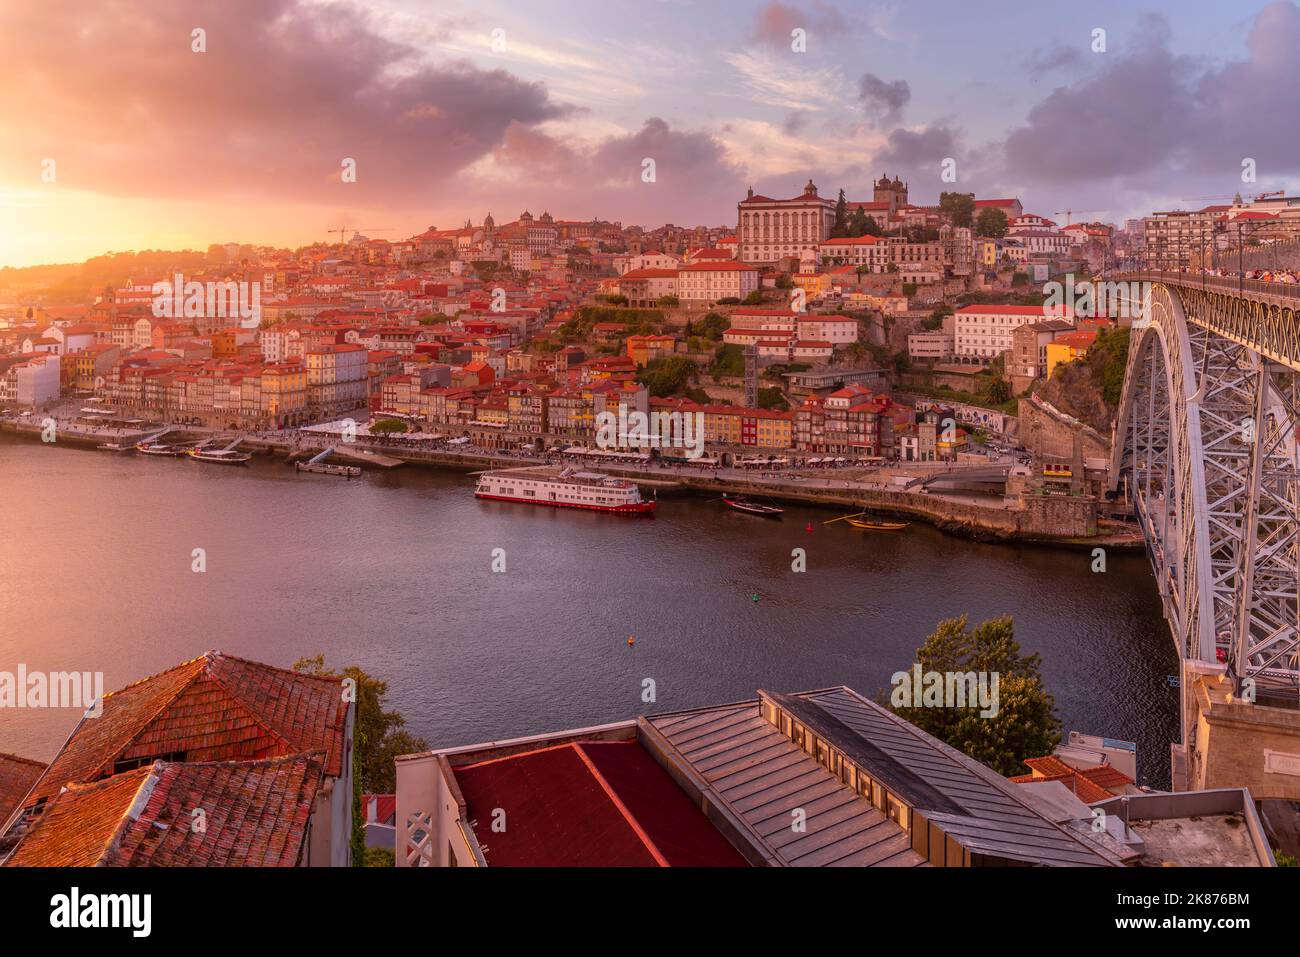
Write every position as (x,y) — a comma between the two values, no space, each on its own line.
(742,504)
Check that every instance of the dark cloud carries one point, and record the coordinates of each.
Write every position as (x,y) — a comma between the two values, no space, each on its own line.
(694,182)
(881,100)
(284,93)
(928,146)
(775,21)
(1147,114)
(795,123)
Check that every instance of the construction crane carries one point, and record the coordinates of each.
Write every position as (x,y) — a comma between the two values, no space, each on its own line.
(364,229)
(1067,213)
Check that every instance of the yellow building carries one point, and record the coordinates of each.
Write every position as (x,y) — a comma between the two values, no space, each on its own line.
(283,396)
(1067,348)
(814,284)
(646,349)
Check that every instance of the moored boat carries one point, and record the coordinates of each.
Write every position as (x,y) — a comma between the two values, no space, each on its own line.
(158,448)
(876,525)
(742,504)
(567,488)
(116,447)
(220,456)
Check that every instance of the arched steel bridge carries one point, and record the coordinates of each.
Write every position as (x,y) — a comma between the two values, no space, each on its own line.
(1205,447)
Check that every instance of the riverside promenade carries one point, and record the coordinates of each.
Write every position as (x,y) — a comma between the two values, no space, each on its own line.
(982,518)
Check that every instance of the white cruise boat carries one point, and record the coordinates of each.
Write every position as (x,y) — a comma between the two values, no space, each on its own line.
(569,488)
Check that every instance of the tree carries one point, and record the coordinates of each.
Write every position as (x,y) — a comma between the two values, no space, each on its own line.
(958,207)
(388,426)
(667,376)
(668,302)
(841,226)
(999,391)
(712,326)
(772,398)
(1025,725)
(859,222)
(991,222)
(380,735)
(755,298)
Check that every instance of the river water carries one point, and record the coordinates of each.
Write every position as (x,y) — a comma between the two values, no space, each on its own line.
(393,572)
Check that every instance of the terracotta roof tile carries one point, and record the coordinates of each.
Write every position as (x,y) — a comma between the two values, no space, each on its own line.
(213,708)
(255,814)
(17,775)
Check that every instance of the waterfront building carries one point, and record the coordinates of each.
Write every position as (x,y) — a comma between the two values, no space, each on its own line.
(336,378)
(663,790)
(32,380)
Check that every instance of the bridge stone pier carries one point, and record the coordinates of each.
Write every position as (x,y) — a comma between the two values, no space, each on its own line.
(1205,450)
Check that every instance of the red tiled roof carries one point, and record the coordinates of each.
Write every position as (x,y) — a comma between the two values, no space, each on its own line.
(1003,309)
(1088,785)
(385,807)
(255,814)
(718,265)
(588,804)
(17,775)
(213,708)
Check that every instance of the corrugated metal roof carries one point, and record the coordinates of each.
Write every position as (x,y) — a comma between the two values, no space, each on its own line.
(762,777)
(979,808)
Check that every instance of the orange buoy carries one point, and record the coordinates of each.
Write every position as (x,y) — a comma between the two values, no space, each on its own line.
(630,641)
(808,527)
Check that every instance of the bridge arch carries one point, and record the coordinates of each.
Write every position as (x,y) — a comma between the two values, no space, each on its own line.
(1205,448)
(1157,451)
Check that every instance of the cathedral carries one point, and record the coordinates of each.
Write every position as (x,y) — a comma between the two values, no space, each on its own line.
(891,191)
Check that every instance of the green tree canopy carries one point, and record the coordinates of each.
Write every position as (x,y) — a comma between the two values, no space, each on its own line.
(381,735)
(1025,726)
(958,207)
(991,222)
(667,376)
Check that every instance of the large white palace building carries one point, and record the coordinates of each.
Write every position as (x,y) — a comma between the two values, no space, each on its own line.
(769,230)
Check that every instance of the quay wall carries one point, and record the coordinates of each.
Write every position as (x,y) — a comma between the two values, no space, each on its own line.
(1054,519)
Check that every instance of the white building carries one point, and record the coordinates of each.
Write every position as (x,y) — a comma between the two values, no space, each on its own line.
(869,251)
(31,382)
(706,282)
(1039,235)
(935,346)
(985,332)
(837,330)
(769,230)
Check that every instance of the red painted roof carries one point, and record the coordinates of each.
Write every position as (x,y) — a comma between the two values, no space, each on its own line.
(588,804)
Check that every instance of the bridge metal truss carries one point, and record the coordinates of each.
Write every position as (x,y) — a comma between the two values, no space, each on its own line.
(1205,445)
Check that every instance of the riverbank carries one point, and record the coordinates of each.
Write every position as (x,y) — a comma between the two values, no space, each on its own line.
(992,522)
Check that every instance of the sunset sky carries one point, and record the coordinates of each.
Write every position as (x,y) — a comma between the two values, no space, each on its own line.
(157,146)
